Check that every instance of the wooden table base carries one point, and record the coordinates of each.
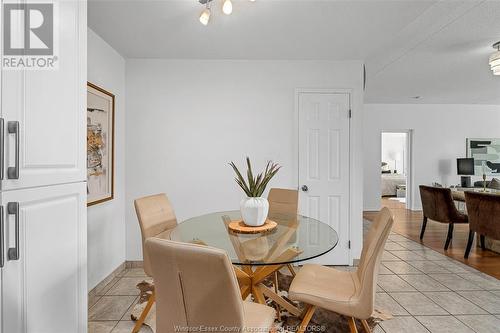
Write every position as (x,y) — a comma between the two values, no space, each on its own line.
(250,277)
(250,280)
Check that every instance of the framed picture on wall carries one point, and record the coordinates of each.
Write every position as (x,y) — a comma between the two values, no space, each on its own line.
(486,154)
(100,144)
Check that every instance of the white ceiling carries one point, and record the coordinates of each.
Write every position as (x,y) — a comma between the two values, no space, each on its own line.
(434,49)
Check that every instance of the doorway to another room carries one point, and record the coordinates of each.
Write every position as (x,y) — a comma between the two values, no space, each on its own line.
(395,169)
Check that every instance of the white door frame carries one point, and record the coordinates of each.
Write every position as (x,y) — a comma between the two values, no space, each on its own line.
(408,163)
(299,91)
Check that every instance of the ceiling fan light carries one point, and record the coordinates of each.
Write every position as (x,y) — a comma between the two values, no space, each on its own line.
(227,7)
(205,16)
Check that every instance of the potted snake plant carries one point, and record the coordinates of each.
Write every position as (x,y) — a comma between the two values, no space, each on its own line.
(254,208)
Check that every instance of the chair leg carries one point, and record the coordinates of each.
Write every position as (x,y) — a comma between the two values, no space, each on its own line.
(424,224)
(365,326)
(291,269)
(307,318)
(483,245)
(144,314)
(469,244)
(449,237)
(352,325)
(276,290)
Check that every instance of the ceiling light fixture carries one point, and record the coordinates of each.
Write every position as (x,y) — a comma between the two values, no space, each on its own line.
(495,59)
(205,14)
(227,7)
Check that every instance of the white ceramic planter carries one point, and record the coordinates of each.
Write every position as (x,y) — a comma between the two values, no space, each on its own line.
(254,211)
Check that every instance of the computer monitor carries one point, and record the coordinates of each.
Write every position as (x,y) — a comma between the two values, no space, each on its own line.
(465,168)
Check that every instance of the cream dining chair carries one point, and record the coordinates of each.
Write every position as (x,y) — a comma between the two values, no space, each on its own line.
(348,293)
(196,287)
(283,204)
(156,219)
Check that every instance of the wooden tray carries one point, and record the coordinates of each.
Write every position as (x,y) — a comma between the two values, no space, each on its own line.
(240,227)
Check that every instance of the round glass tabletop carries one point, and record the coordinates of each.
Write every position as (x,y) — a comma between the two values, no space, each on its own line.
(296,238)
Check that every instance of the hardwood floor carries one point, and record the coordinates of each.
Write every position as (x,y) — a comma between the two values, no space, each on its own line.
(408,223)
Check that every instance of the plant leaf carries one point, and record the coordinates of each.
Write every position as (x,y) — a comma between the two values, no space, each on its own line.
(239,178)
(251,180)
(256,185)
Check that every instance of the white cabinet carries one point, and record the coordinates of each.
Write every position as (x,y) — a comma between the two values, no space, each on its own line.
(44,290)
(50,106)
(43,196)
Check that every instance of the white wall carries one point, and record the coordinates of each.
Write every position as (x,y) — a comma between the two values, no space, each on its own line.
(186,119)
(439,134)
(394,150)
(106,221)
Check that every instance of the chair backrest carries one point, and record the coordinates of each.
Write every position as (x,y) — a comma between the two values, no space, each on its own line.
(484,213)
(155,215)
(371,255)
(195,286)
(283,203)
(437,204)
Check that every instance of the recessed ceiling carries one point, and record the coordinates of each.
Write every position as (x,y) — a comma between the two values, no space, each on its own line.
(434,49)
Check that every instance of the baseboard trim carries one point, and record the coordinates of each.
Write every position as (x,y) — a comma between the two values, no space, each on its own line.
(101,285)
(117,272)
(134,264)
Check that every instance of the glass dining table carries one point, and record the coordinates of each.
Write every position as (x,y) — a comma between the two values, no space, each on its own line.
(256,257)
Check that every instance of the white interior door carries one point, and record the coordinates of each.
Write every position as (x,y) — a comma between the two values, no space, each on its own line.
(44,285)
(324,166)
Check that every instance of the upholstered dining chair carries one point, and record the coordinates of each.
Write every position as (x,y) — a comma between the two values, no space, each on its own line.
(348,293)
(156,219)
(283,204)
(484,214)
(438,205)
(196,286)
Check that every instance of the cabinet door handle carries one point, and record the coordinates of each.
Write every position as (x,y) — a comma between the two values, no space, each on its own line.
(2,147)
(13,209)
(13,128)
(2,244)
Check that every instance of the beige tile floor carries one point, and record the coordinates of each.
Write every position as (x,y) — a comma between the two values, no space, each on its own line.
(424,290)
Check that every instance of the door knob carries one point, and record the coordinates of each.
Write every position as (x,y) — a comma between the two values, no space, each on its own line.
(304,188)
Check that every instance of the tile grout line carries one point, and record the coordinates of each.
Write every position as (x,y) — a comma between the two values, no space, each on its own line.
(464,314)
(456,292)
(134,303)
(439,306)
(119,278)
(472,328)
(428,247)
(418,321)
(479,306)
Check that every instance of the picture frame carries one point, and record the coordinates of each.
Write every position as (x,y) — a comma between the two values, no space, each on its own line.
(486,154)
(100,144)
